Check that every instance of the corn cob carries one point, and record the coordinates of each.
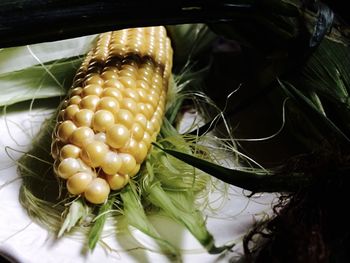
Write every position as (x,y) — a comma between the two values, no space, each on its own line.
(113,112)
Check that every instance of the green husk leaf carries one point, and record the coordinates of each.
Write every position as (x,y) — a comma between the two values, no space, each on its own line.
(38,82)
(326,76)
(76,211)
(325,125)
(179,206)
(99,222)
(18,58)
(257,180)
(136,217)
(327,72)
(172,173)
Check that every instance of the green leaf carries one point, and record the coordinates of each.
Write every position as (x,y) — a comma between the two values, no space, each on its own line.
(98,224)
(327,72)
(38,82)
(136,217)
(325,125)
(75,213)
(257,180)
(326,75)
(179,206)
(18,58)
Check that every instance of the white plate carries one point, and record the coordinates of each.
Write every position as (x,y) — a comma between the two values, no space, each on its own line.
(22,240)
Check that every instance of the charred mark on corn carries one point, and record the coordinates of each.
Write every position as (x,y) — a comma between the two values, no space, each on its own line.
(113,112)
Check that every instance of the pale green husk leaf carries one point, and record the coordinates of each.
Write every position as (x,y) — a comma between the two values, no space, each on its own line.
(76,211)
(38,82)
(18,58)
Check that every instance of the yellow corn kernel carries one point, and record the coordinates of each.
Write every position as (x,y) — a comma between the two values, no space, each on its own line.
(94,153)
(117,181)
(83,118)
(68,167)
(113,112)
(69,151)
(111,163)
(102,120)
(70,111)
(77,183)
(97,191)
(117,136)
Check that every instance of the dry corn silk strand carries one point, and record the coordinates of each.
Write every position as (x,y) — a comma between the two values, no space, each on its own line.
(101,166)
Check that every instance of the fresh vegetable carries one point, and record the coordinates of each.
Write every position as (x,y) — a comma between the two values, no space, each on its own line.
(106,168)
(113,112)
